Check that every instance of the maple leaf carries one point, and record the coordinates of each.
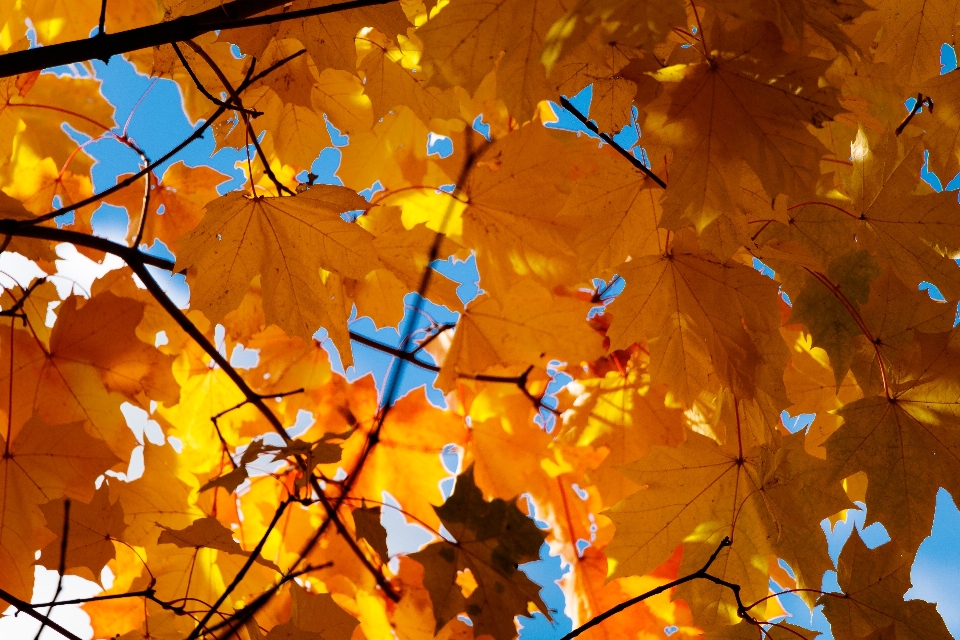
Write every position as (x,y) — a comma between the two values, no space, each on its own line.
(404,254)
(514,195)
(490,539)
(823,307)
(367,520)
(904,445)
(898,320)
(874,583)
(90,528)
(701,318)
(466,38)
(617,212)
(41,463)
(389,83)
(910,40)
(701,491)
(330,39)
(612,92)
(176,202)
(314,616)
(748,102)
(942,125)
(158,497)
(626,415)
(13,209)
(779,131)
(916,240)
(811,386)
(825,17)
(413,618)
(526,325)
(284,240)
(208,533)
(159,624)
(404,444)
(93,361)
(643,25)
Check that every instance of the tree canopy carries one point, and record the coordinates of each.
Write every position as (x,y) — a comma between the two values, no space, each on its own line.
(730,230)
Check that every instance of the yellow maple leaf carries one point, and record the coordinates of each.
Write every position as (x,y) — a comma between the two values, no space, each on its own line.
(286,241)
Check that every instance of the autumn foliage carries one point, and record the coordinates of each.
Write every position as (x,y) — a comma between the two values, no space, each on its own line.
(617,389)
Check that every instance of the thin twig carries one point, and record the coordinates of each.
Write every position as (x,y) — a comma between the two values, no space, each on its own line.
(257,400)
(254,555)
(28,609)
(63,557)
(15,310)
(235,98)
(110,596)
(919,104)
(609,613)
(196,135)
(203,90)
(606,138)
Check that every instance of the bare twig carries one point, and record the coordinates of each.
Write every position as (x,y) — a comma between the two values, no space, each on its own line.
(196,135)
(28,609)
(63,557)
(53,234)
(254,555)
(235,99)
(700,573)
(15,310)
(609,140)
(202,89)
(922,101)
(257,400)
(103,19)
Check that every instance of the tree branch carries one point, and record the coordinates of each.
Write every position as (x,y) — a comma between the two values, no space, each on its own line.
(11,228)
(609,613)
(230,15)
(610,141)
(28,609)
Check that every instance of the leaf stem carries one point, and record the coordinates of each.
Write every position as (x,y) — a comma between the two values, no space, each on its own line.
(858,320)
(103,19)
(824,204)
(235,98)
(702,38)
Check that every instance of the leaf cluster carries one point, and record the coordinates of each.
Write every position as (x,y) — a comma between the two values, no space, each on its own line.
(624,368)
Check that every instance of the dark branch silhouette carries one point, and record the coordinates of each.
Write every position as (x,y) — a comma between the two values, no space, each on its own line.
(230,15)
(589,124)
(700,573)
